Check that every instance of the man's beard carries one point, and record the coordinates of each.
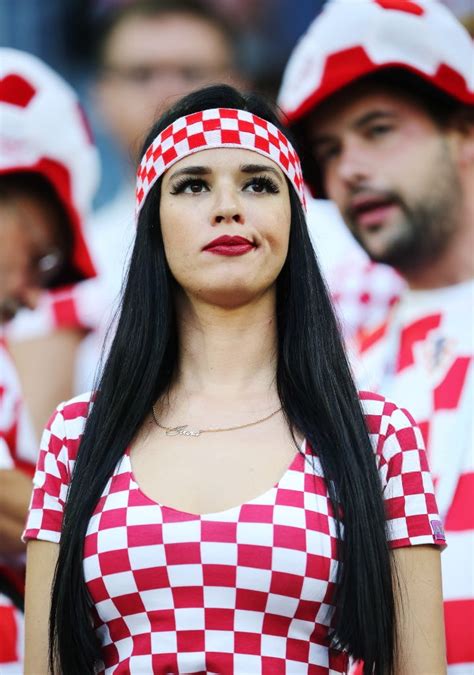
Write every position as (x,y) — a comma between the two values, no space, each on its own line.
(425,227)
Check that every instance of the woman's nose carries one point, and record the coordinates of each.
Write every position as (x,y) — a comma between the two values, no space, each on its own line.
(227,209)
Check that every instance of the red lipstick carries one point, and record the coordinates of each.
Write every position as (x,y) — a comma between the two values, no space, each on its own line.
(227,245)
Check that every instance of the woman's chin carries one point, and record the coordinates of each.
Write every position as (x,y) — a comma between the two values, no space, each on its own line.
(230,296)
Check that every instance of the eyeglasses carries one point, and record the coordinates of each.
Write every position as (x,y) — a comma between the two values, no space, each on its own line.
(47,266)
(45,269)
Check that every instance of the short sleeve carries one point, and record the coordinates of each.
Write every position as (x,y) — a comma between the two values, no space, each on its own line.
(410,504)
(50,483)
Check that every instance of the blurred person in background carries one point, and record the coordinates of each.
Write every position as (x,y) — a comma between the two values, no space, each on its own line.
(382,93)
(149,53)
(48,174)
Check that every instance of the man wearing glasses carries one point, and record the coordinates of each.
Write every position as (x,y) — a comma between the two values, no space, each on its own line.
(48,175)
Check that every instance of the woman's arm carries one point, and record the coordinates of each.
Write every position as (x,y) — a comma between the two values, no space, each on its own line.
(421,639)
(40,567)
(15,494)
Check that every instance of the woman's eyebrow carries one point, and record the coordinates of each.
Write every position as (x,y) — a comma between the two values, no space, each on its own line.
(260,168)
(191,171)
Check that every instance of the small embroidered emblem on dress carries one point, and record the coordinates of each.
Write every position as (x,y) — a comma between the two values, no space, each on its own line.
(438,530)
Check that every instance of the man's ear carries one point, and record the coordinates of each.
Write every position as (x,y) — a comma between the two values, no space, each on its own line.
(462,124)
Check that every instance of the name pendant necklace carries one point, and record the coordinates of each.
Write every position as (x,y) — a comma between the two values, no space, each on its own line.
(182,429)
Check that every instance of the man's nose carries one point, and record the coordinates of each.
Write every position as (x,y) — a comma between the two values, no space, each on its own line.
(353,165)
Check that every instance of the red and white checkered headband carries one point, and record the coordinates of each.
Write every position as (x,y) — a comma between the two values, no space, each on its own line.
(217,128)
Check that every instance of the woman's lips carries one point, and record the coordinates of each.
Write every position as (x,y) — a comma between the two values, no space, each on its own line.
(229,246)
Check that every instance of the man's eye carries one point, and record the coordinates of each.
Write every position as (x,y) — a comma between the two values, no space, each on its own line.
(140,74)
(189,186)
(261,184)
(379,130)
(325,153)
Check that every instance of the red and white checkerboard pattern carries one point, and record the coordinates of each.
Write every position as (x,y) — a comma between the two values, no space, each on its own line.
(217,128)
(350,39)
(245,590)
(424,356)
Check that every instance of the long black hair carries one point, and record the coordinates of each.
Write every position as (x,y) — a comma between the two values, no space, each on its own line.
(318,397)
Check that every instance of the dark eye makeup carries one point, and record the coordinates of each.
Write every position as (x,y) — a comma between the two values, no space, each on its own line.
(263,184)
(180,185)
(259,184)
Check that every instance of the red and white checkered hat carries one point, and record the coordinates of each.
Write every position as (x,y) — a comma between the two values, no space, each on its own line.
(353,38)
(217,128)
(43,130)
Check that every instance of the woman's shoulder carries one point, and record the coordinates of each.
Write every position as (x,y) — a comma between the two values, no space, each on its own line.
(69,419)
(389,424)
(78,406)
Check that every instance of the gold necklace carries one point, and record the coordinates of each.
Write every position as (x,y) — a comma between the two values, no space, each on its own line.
(183,430)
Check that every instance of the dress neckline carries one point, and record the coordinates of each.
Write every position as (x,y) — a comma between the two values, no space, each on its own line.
(300,455)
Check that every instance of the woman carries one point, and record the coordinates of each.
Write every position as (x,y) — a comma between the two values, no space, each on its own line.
(226,455)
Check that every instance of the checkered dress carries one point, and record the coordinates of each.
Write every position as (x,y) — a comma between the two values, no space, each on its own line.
(424,356)
(245,590)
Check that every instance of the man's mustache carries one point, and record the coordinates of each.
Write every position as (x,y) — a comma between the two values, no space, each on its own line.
(365,197)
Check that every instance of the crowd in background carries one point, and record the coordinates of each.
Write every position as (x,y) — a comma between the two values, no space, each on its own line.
(128,65)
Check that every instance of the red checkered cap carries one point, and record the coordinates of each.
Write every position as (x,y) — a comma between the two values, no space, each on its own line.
(217,128)
(43,130)
(351,39)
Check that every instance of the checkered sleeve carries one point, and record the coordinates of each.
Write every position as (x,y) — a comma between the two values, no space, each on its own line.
(50,483)
(411,509)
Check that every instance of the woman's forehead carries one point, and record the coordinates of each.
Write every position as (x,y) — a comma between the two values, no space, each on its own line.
(224,159)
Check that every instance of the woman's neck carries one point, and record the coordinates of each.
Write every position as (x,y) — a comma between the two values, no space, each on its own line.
(227,353)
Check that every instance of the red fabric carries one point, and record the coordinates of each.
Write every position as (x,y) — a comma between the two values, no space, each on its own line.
(15,90)
(402,6)
(459,621)
(460,518)
(9,641)
(65,311)
(448,393)
(415,332)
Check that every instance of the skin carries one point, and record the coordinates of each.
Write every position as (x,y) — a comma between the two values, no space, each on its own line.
(400,181)
(226,376)
(27,233)
(151,61)
(15,493)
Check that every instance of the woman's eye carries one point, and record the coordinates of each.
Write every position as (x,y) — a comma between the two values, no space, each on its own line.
(261,184)
(189,186)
